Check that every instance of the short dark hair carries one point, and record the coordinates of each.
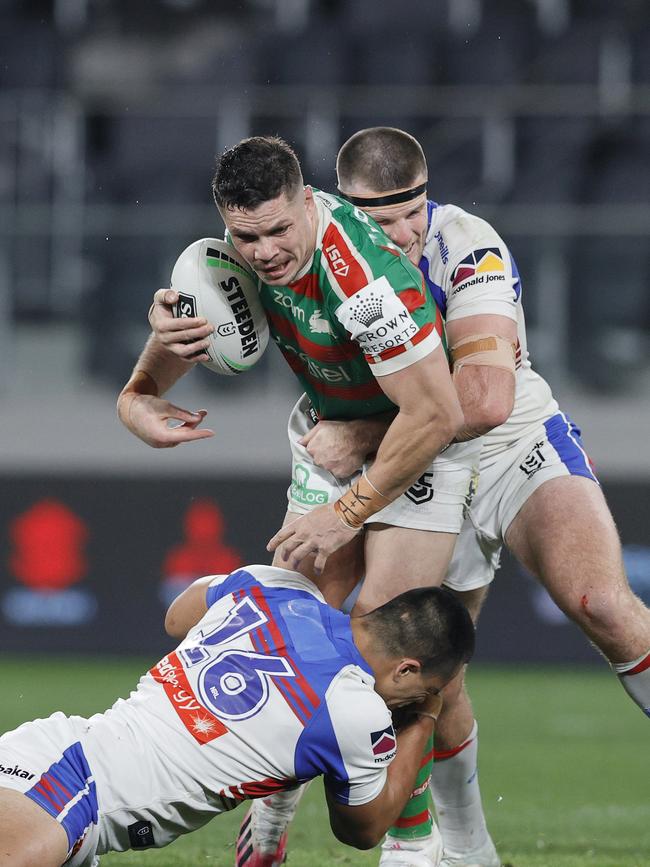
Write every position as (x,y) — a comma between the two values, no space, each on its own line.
(255,171)
(381,157)
(429,624)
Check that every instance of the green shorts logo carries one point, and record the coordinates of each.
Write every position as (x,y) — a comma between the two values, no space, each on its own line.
(303,494)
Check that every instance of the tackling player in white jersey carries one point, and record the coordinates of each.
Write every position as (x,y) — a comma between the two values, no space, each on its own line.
(537,492)
(270,687)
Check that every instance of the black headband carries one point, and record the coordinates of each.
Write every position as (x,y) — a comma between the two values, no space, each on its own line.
(392,199)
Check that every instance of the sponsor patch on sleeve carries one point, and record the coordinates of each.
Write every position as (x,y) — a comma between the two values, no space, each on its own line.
(377,319)
(482,265)
(383,744)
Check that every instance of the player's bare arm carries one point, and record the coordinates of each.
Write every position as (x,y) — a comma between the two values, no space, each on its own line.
(484,380)
(486,394)
(428,419)
(142,408)
(364,826)
(188,608)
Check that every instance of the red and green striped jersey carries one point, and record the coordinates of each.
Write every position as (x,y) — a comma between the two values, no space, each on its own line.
(356,311)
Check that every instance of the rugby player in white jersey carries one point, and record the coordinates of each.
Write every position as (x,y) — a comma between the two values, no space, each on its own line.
(537,491)
(269,687)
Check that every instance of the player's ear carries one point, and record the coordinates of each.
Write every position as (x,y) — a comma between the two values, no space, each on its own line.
(406,668)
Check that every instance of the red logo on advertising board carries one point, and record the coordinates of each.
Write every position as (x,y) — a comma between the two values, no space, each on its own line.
(48,541)
(203,551)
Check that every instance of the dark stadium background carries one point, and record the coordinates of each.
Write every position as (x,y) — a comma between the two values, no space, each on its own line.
(533,113)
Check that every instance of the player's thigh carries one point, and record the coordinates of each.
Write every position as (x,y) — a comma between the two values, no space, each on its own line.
(409,543)
(399,559)
(565,535)
(473,600)
(29,837)
(343,569)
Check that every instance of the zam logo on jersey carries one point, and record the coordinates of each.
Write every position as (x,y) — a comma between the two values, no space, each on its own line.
(286,301)
(383,744)
(481,266)
(376,317)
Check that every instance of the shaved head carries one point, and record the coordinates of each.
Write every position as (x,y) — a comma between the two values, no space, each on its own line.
(380,158)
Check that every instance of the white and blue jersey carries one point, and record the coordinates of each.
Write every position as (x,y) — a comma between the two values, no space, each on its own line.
(470,271)
(267,691)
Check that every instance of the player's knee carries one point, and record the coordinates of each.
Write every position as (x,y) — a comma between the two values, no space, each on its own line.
(603,609)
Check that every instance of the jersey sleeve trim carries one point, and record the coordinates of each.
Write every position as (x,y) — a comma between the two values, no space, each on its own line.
(402,357)
(481,307)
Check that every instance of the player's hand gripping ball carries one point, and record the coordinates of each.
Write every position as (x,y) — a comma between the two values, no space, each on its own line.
(213,281)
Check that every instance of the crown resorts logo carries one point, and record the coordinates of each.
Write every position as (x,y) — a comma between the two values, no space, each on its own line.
(303,494)
(368,309)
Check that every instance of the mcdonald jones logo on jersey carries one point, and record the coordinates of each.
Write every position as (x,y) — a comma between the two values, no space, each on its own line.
(383,744)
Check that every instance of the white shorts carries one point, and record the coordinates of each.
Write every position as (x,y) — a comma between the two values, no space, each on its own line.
(437,501)
(45,760)
(506,481)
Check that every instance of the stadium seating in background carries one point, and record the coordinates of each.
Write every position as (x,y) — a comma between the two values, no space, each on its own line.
(550,154)
(610,275)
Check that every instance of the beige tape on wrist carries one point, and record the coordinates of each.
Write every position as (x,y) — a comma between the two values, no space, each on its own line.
(484,350)
(140,383)
(359,503)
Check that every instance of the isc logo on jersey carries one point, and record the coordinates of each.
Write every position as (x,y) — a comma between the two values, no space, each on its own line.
(338,263)
(214,282)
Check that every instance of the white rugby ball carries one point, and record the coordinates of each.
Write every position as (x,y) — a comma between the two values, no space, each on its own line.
(213,281)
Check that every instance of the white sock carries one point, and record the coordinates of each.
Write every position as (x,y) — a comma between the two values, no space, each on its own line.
(273,815)
(635,677)
(457,797)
